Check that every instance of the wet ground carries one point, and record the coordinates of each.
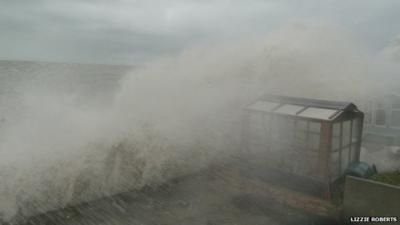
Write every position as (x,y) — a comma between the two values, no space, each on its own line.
(218,196)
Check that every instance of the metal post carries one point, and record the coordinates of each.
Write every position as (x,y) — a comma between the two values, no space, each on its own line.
(324,155)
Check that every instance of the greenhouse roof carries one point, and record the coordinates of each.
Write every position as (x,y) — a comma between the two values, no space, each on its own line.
(302,107)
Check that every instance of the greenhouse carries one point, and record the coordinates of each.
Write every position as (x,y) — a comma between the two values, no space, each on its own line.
(315,139)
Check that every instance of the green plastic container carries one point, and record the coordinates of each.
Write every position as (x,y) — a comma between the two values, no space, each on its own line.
(360,169)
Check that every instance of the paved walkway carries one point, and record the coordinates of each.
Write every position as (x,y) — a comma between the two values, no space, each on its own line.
(221,196)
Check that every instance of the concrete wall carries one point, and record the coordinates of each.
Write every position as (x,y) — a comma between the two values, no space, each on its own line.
(364,197)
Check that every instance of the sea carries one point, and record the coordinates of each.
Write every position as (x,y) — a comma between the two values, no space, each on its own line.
(91,85)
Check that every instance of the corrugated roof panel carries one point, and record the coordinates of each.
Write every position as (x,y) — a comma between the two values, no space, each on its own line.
(263,106)
(318,113)
(289,109)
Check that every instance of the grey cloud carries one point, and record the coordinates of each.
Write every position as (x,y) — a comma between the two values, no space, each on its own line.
(131,31)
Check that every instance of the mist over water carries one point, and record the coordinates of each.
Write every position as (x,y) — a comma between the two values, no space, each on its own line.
(174,116)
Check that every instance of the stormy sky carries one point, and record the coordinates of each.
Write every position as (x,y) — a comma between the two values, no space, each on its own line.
(133,31)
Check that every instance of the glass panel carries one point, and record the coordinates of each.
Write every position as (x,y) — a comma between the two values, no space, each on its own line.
(313,142)
(336,136)
(315,127)
(263,106)
(346,133)
(380,118)
(282,127)
(287,129)
(335,143)
(353,152)
(334,165)
(301,141)
(259,129)
(301,125)
(356,124)
(336,129)
(275,125)
(282,132)
(318,113)
(345,159)
(289,109)
(396,118)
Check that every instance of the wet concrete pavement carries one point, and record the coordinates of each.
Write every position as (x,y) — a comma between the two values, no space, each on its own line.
(219,196)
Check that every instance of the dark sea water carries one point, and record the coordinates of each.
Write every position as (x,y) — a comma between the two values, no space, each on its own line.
(88,84)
